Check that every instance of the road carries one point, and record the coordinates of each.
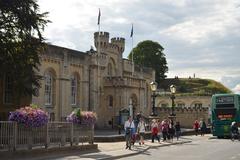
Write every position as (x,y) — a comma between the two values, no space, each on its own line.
(201,148)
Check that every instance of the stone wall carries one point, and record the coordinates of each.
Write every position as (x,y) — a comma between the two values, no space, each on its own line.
(187,100)
(186,116)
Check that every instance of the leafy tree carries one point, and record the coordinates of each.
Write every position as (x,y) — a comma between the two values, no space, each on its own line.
(21,42)
(150,54)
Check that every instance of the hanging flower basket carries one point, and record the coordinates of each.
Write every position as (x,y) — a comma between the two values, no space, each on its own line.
(82,117)
(29,116)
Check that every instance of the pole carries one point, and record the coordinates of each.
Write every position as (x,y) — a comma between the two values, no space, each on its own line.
(173,104)
(153,104)
(98,63)
(132,50)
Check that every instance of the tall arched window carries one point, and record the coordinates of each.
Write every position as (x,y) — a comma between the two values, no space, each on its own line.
(109,69)
(110,101)
(48,88)
(74,90)
(8,90)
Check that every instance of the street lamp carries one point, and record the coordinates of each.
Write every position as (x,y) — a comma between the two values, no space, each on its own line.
(90,53)
(173,91)
(153,86)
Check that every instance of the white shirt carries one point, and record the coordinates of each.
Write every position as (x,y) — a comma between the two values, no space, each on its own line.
(129,124)
(141,127)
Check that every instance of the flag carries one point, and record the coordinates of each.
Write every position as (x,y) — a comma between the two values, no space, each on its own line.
(99,15)
(131,31)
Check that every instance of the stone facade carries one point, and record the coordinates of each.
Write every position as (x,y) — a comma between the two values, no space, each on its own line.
(187,108)
(100,81)
(189,101)
(186,116)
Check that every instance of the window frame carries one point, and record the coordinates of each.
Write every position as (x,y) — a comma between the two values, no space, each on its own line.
(74,90)
(48,89)
(8,91)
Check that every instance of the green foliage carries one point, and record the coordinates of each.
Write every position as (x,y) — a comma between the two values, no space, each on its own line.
(21,42)
(150,54)
(195,86)
(34,106)
(77,112)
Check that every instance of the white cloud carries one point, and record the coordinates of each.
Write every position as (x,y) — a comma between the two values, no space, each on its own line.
(200,37)
(236,89)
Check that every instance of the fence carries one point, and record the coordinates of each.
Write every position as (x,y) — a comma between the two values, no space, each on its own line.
(15,136)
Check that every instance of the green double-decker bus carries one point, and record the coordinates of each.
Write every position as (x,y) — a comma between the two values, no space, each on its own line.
(225,108)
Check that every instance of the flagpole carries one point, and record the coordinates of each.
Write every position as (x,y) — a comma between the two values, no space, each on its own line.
(132,51)
(98,63)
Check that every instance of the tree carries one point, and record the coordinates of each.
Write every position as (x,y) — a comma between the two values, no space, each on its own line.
(21,42)
(150,54)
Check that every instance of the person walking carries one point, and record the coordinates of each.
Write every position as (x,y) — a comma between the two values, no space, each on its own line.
(234,131)
(165,127)
(141,130)
(203,127)
(196,127)
(178,129)
(154,130)
(129,131)
(171,130)
(159,129)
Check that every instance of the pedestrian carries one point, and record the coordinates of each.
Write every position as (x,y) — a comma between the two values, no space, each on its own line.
(141,130)
(178,129)
(129,131)
(234,131)
(165,128)
(154,130)
(171,130)
(196,127)
(159,129)
(203,127)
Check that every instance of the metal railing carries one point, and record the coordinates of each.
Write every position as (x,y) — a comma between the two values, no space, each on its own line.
(15,136)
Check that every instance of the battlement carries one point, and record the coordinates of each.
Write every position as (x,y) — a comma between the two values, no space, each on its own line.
(117,40)
(101,39)
(101,34)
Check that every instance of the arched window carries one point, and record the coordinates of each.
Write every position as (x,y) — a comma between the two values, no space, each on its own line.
(196,104)
(180,104)
(164,105)
(110,69)
(110,101)
(8,90)
(48,93)
(74,81)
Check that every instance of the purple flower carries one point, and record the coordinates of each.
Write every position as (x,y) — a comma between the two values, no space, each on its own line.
(30,117)
(83,117)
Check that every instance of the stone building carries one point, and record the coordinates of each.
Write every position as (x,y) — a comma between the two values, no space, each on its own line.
(187,108)
(181,100)
(101,81)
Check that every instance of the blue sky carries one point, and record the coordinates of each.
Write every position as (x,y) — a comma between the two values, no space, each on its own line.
(199,36)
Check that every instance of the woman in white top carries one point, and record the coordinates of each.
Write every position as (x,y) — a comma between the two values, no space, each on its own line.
(141,130)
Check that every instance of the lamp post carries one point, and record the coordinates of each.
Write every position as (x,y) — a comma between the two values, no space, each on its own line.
(153,88)
(173,91)
(90,53)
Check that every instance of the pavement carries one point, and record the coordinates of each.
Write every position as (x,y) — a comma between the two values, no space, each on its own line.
(105,151)
(114,136)
(116,150)
(102,150)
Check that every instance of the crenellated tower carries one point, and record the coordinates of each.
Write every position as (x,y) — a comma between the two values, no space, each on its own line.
(102,39)
(119,43)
